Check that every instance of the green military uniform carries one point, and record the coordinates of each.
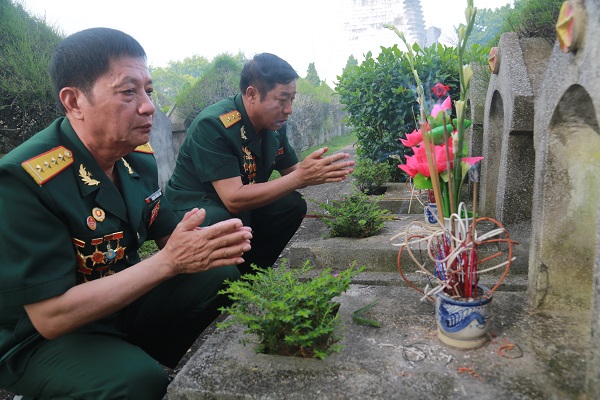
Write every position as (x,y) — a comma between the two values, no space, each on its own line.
(63,223)
(221,143)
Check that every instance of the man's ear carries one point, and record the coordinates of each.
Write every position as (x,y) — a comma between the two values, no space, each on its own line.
(71,98)
(252,94)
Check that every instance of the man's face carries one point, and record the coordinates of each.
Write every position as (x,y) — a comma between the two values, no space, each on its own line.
(273,109)
(118,111)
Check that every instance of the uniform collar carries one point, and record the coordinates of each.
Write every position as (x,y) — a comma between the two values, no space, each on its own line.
(90,177)
(266,141)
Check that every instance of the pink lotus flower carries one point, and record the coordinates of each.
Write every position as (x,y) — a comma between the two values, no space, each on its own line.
(445,105)
(412,139)
(417,164)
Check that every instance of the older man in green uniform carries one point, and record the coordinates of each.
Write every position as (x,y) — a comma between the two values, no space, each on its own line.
(81,316)
(231,150)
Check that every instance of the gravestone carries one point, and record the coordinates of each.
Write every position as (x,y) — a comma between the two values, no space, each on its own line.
(564,258)
(507,170)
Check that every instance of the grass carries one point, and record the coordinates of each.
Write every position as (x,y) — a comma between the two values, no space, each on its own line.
(339,142)
(334,145)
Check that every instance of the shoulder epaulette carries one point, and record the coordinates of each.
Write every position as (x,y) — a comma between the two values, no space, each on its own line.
(144,148)
(230,118)
(47,165)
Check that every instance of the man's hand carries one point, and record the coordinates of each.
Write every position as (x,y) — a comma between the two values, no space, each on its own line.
(192,249)
(315,169)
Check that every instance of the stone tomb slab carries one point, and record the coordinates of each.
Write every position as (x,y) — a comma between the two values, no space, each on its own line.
(403,359)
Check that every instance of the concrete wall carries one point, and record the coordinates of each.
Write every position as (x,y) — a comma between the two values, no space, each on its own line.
(165,150)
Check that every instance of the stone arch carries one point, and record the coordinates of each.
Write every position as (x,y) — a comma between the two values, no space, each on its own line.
(492,146)
(570,197)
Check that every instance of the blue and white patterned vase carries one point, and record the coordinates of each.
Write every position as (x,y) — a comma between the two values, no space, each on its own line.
(431,213)
(463,323)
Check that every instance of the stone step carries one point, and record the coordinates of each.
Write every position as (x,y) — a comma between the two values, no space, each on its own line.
(376,253)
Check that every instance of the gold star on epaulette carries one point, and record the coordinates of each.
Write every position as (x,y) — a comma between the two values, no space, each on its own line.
(230,118)
(46,166)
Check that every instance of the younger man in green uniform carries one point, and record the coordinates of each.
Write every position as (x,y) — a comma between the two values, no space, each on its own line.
(80,315)
(230,151)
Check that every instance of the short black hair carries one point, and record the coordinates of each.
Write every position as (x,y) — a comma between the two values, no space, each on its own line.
(83,57)
(264,71)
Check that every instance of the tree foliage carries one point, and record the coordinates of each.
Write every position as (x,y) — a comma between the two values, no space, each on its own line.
(312,76)
(380,99)
(27,101)
(316,111)
(351,62)
(489,25)
(220,80)
(178,75)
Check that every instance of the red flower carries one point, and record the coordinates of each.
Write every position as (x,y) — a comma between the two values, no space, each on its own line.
(440,89)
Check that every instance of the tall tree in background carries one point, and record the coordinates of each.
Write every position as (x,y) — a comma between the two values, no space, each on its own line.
(351,62)
(312,76)
(219,81)
(488,26)
(177,76)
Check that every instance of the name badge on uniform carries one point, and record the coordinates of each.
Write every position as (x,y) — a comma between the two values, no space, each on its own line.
(153,196)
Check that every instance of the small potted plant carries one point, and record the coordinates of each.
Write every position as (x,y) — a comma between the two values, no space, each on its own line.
(370,177)
(289,313)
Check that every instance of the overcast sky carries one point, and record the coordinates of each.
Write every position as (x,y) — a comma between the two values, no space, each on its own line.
(301,32)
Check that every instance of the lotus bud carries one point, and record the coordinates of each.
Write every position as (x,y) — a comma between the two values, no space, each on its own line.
(468,13)
(467,75)
(462,31)
(459,105)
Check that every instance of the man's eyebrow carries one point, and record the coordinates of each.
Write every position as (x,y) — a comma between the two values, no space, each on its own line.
(134,80)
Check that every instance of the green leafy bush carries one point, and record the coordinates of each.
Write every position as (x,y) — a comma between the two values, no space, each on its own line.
(290,316)
(355,216)
(379,97)
(369,174)
(147,249)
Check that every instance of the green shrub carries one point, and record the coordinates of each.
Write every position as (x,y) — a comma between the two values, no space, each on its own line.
(369,174)
(354,216)
(147,249)
(289,316)
(379,97)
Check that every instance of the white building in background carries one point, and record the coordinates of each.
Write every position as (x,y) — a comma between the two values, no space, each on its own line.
(363,22)
(432,35)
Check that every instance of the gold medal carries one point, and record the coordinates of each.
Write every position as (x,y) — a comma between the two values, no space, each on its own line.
(98,214)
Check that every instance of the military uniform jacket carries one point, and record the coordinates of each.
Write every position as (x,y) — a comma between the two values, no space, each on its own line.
(221,143)
(64,222)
